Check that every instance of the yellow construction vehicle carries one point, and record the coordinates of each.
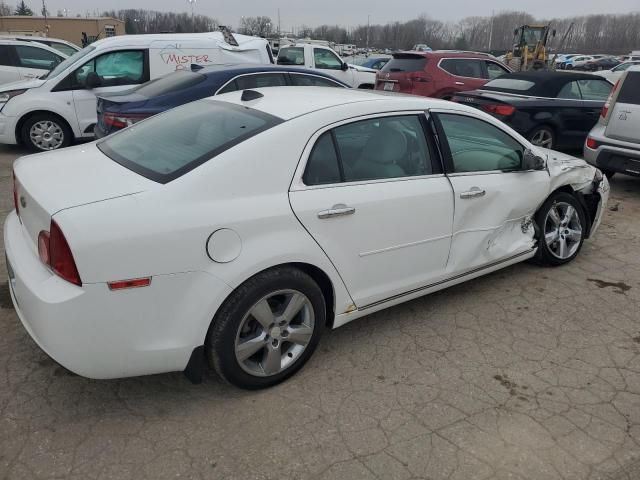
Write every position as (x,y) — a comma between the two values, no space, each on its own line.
(530,47)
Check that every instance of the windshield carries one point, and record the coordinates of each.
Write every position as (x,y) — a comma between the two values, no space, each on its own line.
(532,36)
(169,145)
(61,67)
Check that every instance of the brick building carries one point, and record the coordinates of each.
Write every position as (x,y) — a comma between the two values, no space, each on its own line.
(66,28)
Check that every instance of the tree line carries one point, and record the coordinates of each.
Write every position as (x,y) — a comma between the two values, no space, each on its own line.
(590,33)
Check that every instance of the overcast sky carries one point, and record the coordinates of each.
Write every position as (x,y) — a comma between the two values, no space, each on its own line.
(347,12)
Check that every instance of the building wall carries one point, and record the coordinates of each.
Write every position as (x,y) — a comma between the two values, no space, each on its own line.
(66,28)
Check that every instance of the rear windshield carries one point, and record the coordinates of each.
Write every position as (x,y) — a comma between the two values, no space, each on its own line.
(509,84)
(291,56)
(630,91)
(169,83)
(405,63)
(169,145)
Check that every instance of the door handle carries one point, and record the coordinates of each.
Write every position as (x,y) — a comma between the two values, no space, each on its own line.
(475,192)
(459,83)
(339,210)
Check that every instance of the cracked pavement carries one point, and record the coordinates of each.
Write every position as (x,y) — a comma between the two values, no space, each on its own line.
(529,373)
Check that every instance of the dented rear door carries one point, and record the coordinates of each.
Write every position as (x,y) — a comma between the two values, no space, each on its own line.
(494,199)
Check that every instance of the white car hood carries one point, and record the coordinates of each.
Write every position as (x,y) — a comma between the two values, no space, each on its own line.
(22,85)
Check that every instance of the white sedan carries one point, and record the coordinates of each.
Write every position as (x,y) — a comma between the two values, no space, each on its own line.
(237,228)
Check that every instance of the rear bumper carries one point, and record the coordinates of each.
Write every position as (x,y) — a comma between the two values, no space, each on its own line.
(97,333)
(612,155)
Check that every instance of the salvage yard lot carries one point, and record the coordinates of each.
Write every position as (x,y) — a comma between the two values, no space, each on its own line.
(528,373)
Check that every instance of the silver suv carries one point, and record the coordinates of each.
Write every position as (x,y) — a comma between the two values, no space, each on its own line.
(614,143)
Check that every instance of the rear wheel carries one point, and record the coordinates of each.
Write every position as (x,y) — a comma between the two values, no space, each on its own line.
(267,329)
(543,137)
(43,132)
(562,223)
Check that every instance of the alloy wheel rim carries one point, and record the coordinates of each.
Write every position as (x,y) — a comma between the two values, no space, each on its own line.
(274,333)
(543,139)
(562,230)
(46,135)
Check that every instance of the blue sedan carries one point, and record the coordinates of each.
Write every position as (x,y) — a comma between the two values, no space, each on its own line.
(120,110)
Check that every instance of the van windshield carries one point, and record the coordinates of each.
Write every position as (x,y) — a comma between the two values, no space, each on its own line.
(62,66)
(168,145)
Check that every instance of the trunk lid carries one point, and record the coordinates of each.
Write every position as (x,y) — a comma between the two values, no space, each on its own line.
(49,182)
(116,104)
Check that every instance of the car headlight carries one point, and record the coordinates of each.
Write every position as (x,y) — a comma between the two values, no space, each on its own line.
(6,96)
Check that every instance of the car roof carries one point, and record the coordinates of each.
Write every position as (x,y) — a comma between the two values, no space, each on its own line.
(6,41)
(447,53)
(230,70)
(291,102)
(546,83)
(33,38)
(134,40)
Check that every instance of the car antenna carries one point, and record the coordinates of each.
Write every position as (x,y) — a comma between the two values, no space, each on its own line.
(249,95)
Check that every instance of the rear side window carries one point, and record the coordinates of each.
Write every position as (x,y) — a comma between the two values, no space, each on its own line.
(260,80)
(169,145)
(291,56)
(301,80)
(597,90)
(630,91)
(405,63)
(169,83)
(463,67)
(323,167)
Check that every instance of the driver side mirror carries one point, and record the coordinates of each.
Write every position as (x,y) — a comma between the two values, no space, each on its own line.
(92,81)
(531,161)
(344,67)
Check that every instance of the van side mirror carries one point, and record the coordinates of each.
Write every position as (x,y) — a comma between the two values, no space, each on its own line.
(92,81)
(344,67)
(531,161)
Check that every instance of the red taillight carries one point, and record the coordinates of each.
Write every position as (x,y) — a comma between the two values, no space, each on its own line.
(605,109)
(133,283)
(591,143)
(504,110)
(15,194)
(122,120)
(55,252)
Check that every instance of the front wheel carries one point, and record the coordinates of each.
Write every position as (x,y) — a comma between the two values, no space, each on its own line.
(562,223)
(267,329)
(43,132)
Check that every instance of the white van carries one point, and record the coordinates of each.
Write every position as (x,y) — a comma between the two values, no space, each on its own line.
(24,60)
(49,112)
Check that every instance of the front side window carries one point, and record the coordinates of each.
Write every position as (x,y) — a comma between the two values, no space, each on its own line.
(326,59)
(477,146)
(34,57)
(494,70)
(463,67)
(373,149)
(115,68)
(301,80)
(597,90)
(291,56)
(171,144)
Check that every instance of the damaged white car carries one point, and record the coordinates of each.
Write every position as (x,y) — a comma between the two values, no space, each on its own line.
(237,228)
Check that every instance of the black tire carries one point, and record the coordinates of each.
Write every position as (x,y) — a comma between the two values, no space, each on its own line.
(545,255)
(543,130)
(54,121)
(222,335)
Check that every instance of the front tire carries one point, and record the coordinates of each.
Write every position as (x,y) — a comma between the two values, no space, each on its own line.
(267,329)
(563,224)
(44,132)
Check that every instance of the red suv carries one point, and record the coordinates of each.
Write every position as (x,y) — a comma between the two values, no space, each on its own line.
(440,73)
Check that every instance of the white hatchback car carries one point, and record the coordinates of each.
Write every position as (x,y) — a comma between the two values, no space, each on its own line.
(237,228)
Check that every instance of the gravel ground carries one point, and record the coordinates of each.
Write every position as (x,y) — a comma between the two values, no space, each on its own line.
(528,373)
